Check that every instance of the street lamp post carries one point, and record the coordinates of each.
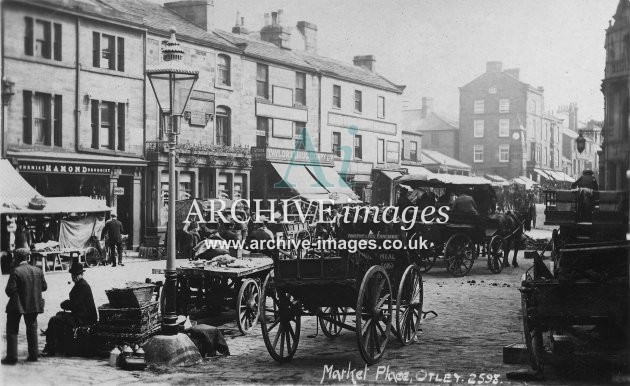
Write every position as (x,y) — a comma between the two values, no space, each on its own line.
(172,81)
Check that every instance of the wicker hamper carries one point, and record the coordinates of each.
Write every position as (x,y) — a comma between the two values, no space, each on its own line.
(135,295)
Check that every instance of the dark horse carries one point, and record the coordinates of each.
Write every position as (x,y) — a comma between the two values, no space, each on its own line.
(511,229)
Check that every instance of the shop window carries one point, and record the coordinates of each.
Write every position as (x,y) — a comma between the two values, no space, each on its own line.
(358,147)
(380,151)
(262,81)
(108,125)
(358,101)
(240,188)
(300,88)
(336,143)
(42,118)
(185,186)
(223,125)
(393,151)
(262,131)
(336,99)
(223,70)
(380,110)
(413,151)
(225,186)
(299,134)
(108,51)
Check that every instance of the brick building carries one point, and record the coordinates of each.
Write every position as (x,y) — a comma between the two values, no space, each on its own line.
(65,132)
(615,154)
(440,132)
(499,116)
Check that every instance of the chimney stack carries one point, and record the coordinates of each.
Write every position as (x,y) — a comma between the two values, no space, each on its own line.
(267,19)
(309,33)
(239,27)
(513,72)
(276,33)
(427,106)
(493,67)
(197,12)
(365,61)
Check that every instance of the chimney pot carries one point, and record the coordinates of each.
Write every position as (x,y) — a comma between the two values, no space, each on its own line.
(494,66)
(280,13)
(274,18)
(266,19)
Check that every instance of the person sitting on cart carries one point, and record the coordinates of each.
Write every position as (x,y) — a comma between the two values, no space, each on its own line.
(403,201)
(191,230)
(446,199)
(464,203)
(82,313)
(586,184)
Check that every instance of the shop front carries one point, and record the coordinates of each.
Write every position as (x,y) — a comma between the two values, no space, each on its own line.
(116,181)
(202,171)
(287,173)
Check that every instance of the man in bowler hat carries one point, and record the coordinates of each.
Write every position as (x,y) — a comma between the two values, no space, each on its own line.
(24,289)
(114,230)
(82,313)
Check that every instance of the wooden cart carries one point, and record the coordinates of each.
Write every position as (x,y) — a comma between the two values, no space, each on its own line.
(216,287)
(586,283)
(383,292)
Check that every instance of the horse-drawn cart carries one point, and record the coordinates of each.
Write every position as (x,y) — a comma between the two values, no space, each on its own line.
(586,282)
(383,292)
(464,237)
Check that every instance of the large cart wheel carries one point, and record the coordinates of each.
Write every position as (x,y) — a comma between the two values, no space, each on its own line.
(409,305)
(459,254)
(335,313)
(279,322)
(496,251)
(247,306)
(424,258)
(374,314)
(533,338)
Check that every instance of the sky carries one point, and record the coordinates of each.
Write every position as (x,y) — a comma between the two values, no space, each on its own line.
(435,46)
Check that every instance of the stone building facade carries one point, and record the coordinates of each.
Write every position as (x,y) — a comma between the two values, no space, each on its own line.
(499,117)
(65,132)
(615,154)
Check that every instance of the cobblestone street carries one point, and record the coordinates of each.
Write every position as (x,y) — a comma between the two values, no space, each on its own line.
(477,316)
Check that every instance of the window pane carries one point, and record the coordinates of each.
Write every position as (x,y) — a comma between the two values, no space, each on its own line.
(504,127)
(358,147)
(336,96)
(381,107)
(106,125)
(42,39)
(380,151)
(300,88)
(336,146)
(262,128)
(478,128)
(223,69)
(40,118)
(504,105)
(358,103)
(479,106)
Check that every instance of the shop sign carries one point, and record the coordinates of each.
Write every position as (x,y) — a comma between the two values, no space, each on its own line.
(292,155)
(119,191)
(63,168)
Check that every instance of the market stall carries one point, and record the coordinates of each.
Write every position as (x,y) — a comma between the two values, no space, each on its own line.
(55,229)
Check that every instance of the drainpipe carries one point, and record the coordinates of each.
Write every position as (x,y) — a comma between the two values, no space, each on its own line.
(77,92)
(319,112)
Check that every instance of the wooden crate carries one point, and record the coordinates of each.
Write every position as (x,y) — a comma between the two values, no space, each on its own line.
(109,314)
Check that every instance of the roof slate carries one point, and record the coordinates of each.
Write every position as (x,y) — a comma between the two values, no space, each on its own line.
(413,120)
(432,157)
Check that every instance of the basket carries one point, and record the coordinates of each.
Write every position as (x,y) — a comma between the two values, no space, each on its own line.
(134,296)
(111,315)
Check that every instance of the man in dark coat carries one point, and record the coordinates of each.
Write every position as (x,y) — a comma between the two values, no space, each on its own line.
(465,204)
(113,230)
(82,313)
(587,180)
(24,289)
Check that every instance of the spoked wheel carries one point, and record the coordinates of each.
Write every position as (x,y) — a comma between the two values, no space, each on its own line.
(409,305)
(533,338)
(335,313)
(374,314)
(459,254)
(92,257)
(424,258)
(247,306)
(496,251)
(279,322)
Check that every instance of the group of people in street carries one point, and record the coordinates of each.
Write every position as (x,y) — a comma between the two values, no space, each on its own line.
(24,289)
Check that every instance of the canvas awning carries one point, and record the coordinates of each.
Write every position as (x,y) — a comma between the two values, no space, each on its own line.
(15,194)
(333,182)
(391,174)
(298,178)
(522,180)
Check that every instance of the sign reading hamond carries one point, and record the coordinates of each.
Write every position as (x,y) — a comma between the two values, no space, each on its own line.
(62,168)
